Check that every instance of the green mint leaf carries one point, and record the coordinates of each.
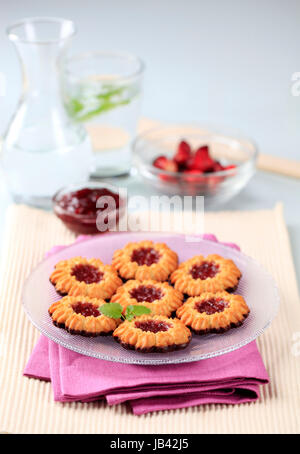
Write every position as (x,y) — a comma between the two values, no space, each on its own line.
(129,314)
(135,311)
(112,310)
(111,92)
(103,107)
(74,106)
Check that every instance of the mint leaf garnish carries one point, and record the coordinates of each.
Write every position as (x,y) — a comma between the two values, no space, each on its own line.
(135,311)
(112,310)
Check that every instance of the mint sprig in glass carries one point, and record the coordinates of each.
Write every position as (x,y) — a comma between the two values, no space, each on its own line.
(103,91)
(84,106)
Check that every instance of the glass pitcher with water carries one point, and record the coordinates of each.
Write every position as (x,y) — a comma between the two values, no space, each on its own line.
(43,148)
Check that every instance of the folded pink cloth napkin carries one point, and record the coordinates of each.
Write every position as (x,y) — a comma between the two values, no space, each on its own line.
(229,379)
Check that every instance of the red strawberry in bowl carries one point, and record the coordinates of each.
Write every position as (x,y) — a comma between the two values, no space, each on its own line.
(218,167)
(201,161)
(183,154)
(193,176)
(203,152)
(192,166)
(232,166)
(160,162)
(163,163)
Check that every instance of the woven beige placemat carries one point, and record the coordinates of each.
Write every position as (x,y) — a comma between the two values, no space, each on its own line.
(27,405)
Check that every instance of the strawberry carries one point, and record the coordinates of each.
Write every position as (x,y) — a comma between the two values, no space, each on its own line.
(201,161)
(218,167)
(168,178)
(163,163)
(171,166)
(193,176)
(232,166)
(203,152)
(183,153)
(160,161)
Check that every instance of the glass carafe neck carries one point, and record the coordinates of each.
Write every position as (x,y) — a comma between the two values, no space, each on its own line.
(41,43)
(40,68)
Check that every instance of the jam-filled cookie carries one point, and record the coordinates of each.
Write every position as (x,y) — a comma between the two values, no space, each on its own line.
(81,315)
(145,260)
(86,277)
(210,274)
(153,334)
(160,297)
(213,312)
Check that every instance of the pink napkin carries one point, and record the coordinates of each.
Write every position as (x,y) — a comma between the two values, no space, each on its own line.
(229,379)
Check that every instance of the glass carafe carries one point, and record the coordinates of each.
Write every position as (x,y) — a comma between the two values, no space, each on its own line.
(44,149)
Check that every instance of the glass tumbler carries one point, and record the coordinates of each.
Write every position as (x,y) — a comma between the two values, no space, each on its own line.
(103,91)
(43,147)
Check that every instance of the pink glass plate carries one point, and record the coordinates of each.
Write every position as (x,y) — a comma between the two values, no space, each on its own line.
(256,286)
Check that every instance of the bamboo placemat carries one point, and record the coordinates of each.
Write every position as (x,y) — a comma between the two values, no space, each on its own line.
(27,405)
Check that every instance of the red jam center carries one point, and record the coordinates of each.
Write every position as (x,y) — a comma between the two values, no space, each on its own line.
(152,325)
(83,202)
(205,270)
(211,306)
(85,309)
(87,273)
(146,293)
(145,256)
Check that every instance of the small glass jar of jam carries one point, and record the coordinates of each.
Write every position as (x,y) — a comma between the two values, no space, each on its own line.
(76,206)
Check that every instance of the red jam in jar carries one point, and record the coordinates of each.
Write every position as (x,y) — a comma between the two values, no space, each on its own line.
(77,209)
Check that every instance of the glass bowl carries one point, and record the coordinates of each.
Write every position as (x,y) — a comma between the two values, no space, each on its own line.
(84,221)
(217,187)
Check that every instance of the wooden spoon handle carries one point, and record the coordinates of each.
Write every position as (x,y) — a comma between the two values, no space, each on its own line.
(279,165)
